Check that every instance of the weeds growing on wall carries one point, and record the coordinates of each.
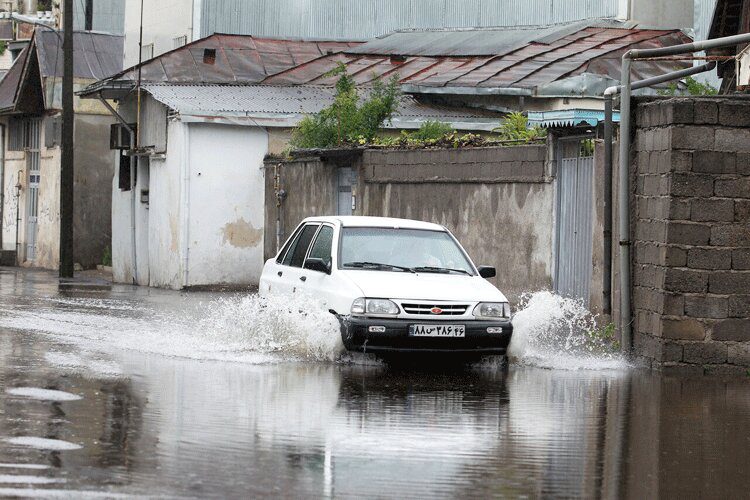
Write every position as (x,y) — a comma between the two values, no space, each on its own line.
(353,121)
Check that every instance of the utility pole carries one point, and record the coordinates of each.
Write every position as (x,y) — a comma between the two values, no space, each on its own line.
(66,163)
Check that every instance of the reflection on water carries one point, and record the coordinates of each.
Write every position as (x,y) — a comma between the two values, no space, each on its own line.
(160,425)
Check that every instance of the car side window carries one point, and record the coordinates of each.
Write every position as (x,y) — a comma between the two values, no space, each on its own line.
(291,242)
(296,254)
(321,249)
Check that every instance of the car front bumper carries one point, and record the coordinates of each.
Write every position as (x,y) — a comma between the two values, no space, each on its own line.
(357,337)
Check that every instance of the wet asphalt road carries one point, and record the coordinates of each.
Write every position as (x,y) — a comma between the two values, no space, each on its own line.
(165,413)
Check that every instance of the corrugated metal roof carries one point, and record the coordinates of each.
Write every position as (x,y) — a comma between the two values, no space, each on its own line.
(237,59)
(494,41)
(526,68)
(285,106)
(364,19)
(569,118)
(96,56)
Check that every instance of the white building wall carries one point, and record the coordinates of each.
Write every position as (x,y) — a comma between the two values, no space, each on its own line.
(122,242)
(165,219)
(163,21)
(226,204)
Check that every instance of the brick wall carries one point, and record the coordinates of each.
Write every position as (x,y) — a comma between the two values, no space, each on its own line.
(691,235)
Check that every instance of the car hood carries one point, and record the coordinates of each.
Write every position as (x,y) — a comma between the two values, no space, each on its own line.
(424,286)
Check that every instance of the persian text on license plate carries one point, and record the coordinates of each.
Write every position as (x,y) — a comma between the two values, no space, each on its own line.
(437,330)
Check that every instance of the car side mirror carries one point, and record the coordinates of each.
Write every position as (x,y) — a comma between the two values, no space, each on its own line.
(316,264)
(487,271)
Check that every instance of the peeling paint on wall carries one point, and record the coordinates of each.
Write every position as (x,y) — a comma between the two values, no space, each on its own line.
(242,234)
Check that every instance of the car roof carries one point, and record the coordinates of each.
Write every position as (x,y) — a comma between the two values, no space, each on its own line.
(363,221)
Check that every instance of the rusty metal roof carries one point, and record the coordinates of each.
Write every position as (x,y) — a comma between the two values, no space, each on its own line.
(534,65)
(227,59)
(285,106)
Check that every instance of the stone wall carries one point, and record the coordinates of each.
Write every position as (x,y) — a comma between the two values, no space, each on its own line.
(691,235)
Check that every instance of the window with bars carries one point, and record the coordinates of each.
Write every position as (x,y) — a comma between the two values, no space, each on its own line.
(147,51)
(18,134)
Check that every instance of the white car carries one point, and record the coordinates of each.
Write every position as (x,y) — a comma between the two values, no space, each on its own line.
(396,285)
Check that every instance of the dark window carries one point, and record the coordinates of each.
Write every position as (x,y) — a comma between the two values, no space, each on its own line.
(296,254)
(124,173)
(52,131)
(321,249)
(209,56)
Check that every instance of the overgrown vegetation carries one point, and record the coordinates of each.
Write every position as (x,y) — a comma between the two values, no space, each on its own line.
(352,121)
(432,130)
(516,128)
(346,121)
(3,47)
(603,339)
(693,87)
(107,257)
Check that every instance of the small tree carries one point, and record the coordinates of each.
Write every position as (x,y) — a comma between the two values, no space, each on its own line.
(346,120)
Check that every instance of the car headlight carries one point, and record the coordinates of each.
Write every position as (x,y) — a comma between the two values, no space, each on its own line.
(374,306)
(491,310)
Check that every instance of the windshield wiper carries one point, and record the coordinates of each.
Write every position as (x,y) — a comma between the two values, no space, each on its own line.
(378,265)
(431,269)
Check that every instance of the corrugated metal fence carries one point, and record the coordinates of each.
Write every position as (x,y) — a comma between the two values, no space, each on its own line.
(574,228)
(363,19)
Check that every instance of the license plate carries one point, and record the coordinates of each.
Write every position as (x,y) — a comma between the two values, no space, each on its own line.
(437,331)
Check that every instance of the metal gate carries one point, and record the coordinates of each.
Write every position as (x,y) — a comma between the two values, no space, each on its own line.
(34,173)
(347,179)
(574,227)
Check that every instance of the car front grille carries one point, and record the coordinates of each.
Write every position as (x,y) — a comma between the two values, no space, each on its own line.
(426,309)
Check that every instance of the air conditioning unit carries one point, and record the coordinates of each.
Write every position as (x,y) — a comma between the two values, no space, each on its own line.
(743,69)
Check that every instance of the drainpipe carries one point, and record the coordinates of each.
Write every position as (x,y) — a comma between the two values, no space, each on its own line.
(607,286)
(185,204)
(609,94)
(624,177)
(2,183)
(19,187)
(133,166)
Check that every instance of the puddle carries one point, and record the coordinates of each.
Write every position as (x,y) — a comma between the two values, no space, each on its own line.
(43,394)
(43,443)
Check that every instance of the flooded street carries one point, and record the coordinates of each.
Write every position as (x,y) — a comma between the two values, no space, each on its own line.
(118,390)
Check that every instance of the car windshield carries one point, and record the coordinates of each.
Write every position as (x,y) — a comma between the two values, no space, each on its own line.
(402,250)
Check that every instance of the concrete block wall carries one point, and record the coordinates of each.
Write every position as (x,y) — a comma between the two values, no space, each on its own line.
(691,235)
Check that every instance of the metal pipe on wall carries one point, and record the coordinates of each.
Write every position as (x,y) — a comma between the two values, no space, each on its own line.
(607,285)
(624,173)
(609,94)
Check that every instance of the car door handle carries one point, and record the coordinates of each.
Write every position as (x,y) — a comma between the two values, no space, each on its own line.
(280,273)
(303,278)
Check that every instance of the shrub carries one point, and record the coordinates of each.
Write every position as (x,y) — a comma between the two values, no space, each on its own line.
(516,128)
(346,121)
(693,87)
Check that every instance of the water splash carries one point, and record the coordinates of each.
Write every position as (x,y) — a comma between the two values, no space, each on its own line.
(551,331)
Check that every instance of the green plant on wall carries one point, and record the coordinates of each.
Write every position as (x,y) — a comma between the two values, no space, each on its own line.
(431,130)
(692,87)
(3,47)
(346,120)
(516,128)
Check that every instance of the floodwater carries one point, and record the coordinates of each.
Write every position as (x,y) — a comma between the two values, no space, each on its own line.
(122,391)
